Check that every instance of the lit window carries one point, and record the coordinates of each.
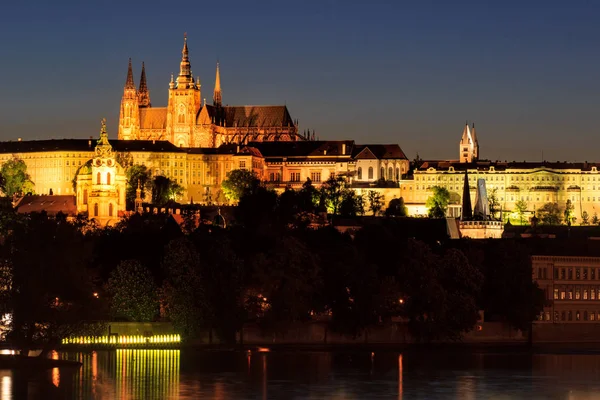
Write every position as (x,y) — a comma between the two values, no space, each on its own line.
(242,164)
(315,176)
(585,294)
(359,174)
(555,294)
(294,176)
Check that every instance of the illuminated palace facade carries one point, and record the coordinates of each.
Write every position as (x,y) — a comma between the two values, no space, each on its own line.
(188,121)
(536,183)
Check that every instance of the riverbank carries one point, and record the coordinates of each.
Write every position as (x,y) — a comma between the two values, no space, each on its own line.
(34,363)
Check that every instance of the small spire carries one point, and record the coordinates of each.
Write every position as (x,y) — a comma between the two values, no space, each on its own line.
(467,209)
(217,96)
(185,78)
(129,82)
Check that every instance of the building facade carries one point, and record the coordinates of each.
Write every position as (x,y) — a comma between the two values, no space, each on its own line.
(188,121)
(571,286)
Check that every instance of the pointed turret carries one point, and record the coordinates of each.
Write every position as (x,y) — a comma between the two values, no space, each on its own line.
(217,97)
(129,82)
(143,92)
(139,198)
(467,209)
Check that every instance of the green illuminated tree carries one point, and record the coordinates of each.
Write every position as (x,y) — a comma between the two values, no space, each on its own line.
(133,292)
(165,190)
(438,202)
(135,174)
(549,214)
(15,179)
(332,191)
(568,213)
(238,182)
(585,218)
(493,203)
(375,200)
(521,208)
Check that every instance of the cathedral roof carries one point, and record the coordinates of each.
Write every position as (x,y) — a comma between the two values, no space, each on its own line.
(259,116)
(380,151)
(153,118)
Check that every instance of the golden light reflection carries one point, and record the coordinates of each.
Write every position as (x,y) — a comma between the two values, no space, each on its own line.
(400,378)
(264,377)
(6,384)
(55,371)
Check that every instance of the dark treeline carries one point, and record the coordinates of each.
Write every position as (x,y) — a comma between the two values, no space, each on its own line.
(269,266)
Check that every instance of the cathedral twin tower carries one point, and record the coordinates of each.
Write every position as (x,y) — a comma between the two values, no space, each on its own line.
(186,122)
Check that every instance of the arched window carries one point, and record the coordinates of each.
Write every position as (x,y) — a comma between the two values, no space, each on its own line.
(397,173)
(110,210)
(370,172)
(108,178)
(84,196)
(95,209)
(359,173)
(390,174)
(98,179)
(382,173)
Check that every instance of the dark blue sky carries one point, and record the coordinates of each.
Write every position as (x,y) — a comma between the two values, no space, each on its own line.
(406,72)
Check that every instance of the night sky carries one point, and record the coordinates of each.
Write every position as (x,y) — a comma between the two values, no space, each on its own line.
(396,71)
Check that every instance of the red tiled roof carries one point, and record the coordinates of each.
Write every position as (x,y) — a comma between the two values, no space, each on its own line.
(50,204)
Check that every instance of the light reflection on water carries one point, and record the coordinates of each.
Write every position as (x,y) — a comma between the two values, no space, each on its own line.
(191,374)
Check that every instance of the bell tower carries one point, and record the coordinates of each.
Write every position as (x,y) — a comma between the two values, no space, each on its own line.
(129,116)
(184,102)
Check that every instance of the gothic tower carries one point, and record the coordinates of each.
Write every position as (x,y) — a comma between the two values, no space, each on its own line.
(129,117)
(468,147)
(217,96)
(184,103)
(143,92)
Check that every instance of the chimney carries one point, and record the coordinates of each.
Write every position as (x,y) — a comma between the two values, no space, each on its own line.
(343,148)
(90,142)
(237,149)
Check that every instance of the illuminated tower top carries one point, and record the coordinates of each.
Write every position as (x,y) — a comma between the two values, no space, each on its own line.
(217,97)
(143,92)
(129,82)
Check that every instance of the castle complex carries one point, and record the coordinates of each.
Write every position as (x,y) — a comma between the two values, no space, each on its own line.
(197,145)
(187,121)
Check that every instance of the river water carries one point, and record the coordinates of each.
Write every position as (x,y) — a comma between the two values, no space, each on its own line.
(413,374)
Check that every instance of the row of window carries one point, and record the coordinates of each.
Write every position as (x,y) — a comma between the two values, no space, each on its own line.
(571,273)
(569,315)
(390,173)
(576,293)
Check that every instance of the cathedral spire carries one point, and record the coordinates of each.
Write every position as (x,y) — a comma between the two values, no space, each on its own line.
(217,97)
(185,67)
(144,93)
(129,82)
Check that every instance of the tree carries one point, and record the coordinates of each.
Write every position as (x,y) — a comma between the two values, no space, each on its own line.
(396,208)
(493,203)
(308,197)
(183,297)
(595,219)
(238,182)
(46,284)
(568,213)
(438,202)
(137,174)
(15,179)
(585,218)
(164,190)
(549,214)
(352,204)
(133,292)
(332,191)
(521,209)
(375,200)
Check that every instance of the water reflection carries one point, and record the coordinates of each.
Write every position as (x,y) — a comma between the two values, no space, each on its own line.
(171,374)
